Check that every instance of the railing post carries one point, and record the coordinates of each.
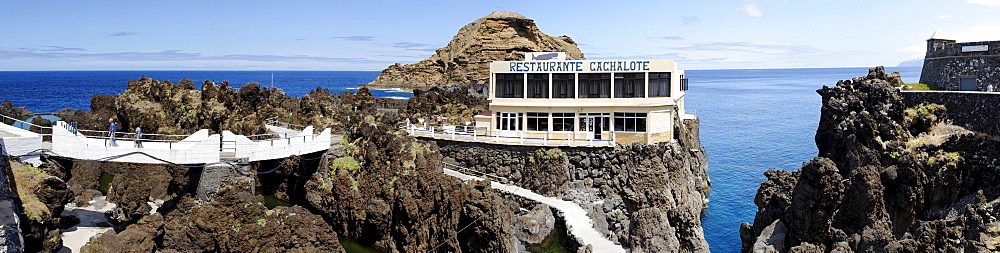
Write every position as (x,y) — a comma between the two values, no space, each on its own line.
(475,135)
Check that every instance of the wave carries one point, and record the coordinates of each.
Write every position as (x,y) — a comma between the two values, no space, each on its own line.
(400,98)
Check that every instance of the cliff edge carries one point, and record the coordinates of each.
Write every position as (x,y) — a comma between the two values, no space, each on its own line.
(888,179)
(500,36)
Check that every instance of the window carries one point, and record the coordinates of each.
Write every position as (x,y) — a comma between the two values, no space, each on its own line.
(509,121)
(595,85)
(510,85)
(538,121)
(684,83)
(630,122)
(630,85)
(538,85)
(589,120)
(562,121)
(659,84)
(562,85)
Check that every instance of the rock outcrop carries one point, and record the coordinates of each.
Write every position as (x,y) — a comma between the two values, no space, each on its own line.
(887,179)
(500,36)
(384,189)
(42,195)
(162,107)
(7,108)
(646,197)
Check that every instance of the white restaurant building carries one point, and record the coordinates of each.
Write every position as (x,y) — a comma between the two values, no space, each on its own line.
(621,101)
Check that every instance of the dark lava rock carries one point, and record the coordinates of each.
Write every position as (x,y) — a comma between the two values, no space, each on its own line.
(534,226)
(385,190)
(8,109)
(237,221)
(888,179)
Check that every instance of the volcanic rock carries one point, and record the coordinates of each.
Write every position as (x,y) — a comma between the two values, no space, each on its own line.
(888,179)
(500,36)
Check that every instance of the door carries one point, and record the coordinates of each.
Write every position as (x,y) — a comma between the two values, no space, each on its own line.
(595,125)
(968,84)
(509,124)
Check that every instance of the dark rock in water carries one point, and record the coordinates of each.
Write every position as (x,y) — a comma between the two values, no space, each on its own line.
(237,221)
(535,225)
(7,108)
(888,179)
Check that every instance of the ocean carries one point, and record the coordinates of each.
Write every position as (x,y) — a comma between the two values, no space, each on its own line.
(751,120)
(50,91)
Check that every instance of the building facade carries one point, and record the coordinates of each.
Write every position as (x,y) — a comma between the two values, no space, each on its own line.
(965,66)
(623,101)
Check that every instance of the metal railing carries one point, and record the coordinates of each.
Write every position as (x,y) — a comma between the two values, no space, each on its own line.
(482,134)
(274,122)
(27,126)
(170,139)
(491,176)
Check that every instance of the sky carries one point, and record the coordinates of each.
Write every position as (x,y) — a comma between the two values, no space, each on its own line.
(370,35)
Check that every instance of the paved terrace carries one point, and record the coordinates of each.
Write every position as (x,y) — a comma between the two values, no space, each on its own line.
(197,148)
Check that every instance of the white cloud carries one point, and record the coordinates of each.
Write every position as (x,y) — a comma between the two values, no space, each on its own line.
(752,10)
(775,49)
(995,3)
(944,16)
(917,50)
(978,33)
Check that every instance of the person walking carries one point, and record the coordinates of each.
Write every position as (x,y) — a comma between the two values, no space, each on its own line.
(111,133)
(989,88)
(138,136)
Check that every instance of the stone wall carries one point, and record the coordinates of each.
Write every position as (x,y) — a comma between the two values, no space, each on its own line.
(945,64)
(978,111)
(617,186)
(10,235)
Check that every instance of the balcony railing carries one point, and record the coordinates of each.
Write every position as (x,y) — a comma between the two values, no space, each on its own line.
(483,135)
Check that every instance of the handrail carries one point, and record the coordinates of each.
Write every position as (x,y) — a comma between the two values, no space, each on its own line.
(274,122)
(455,166)
(22,123)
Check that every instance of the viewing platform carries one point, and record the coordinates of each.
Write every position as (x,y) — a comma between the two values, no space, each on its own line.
(65,140)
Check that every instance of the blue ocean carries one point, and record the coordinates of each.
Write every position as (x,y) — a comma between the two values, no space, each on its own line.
(751,120)
(50,91)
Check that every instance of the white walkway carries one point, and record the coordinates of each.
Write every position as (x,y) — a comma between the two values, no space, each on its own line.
(198,148)
(577,220)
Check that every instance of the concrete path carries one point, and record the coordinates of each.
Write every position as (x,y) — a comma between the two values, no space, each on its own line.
(577,220)
(92,223)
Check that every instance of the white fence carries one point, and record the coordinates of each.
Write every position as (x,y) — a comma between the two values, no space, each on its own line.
(482,134)
(197,148)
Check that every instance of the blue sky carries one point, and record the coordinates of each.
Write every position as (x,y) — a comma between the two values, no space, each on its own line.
(370,35)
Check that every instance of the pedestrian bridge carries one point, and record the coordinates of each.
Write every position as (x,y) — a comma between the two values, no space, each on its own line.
(65,140)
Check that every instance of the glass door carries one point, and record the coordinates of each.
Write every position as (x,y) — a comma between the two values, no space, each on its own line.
(509,124)
(595,125)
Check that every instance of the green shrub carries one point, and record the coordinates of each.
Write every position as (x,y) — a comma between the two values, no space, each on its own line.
(347,163)
(924,86)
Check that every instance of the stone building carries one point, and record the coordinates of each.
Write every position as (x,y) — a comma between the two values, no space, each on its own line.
(965,66)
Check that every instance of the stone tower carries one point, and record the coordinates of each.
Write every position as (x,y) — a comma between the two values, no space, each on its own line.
(965,66)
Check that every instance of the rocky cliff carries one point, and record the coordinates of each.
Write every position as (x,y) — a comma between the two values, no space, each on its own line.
(887,179)
(500,36)
(646,197)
